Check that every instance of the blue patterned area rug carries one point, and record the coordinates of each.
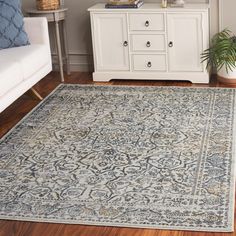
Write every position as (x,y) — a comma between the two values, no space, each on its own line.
(148,157)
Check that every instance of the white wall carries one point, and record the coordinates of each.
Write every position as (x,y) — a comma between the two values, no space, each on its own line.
(78,27)
(227,15)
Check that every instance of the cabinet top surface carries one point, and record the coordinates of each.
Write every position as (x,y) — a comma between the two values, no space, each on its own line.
(151,7)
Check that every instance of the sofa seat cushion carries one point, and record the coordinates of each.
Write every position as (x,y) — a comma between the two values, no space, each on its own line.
(31,58)
(10,75)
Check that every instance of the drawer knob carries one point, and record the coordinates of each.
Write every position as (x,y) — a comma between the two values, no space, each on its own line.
(148,44)
(149,64)
(125,43)
(170,44)
(147,23)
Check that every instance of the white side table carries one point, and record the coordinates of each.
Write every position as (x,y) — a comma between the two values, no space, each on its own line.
(57,17)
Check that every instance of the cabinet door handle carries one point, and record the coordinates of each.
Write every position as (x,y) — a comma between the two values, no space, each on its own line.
(148,44)
(125,43)
(147,23)
(149,64)
(170,44)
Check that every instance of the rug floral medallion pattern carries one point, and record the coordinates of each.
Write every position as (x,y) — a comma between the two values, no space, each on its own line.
(151,157)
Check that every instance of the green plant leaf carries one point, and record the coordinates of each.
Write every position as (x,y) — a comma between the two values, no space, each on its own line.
(222,51)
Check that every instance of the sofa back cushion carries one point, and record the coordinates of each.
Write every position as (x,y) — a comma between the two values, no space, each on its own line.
(12,33)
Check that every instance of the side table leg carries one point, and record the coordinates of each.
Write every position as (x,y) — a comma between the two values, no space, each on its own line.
(66,47)
(60,59)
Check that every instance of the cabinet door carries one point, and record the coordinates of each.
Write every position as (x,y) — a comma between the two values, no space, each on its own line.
(110,42)
(185,42)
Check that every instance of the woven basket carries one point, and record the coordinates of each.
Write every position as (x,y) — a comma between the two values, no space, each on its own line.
(47,4)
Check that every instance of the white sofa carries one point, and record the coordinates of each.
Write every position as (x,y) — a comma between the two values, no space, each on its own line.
(22,67)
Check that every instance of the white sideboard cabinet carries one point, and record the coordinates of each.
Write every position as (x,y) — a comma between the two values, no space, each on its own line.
(150,43)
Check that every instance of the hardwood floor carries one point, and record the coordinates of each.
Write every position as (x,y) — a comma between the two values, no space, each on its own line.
(12,115)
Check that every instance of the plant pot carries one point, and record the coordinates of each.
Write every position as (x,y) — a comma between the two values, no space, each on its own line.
(225,77)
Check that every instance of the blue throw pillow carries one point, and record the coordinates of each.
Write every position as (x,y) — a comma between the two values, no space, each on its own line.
(12,33)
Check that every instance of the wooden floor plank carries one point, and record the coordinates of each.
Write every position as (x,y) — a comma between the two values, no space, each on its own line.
(13,114)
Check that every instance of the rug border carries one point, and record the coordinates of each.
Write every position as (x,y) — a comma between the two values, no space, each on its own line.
(137,226)
(233,171)
(175,228)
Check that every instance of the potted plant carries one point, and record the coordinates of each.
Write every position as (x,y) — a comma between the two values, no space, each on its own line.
(221,55)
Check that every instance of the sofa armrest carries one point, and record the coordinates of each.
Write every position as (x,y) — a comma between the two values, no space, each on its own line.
(37,30)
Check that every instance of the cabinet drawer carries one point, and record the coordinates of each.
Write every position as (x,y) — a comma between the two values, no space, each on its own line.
(146,22)
(149,62)
(151,42)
